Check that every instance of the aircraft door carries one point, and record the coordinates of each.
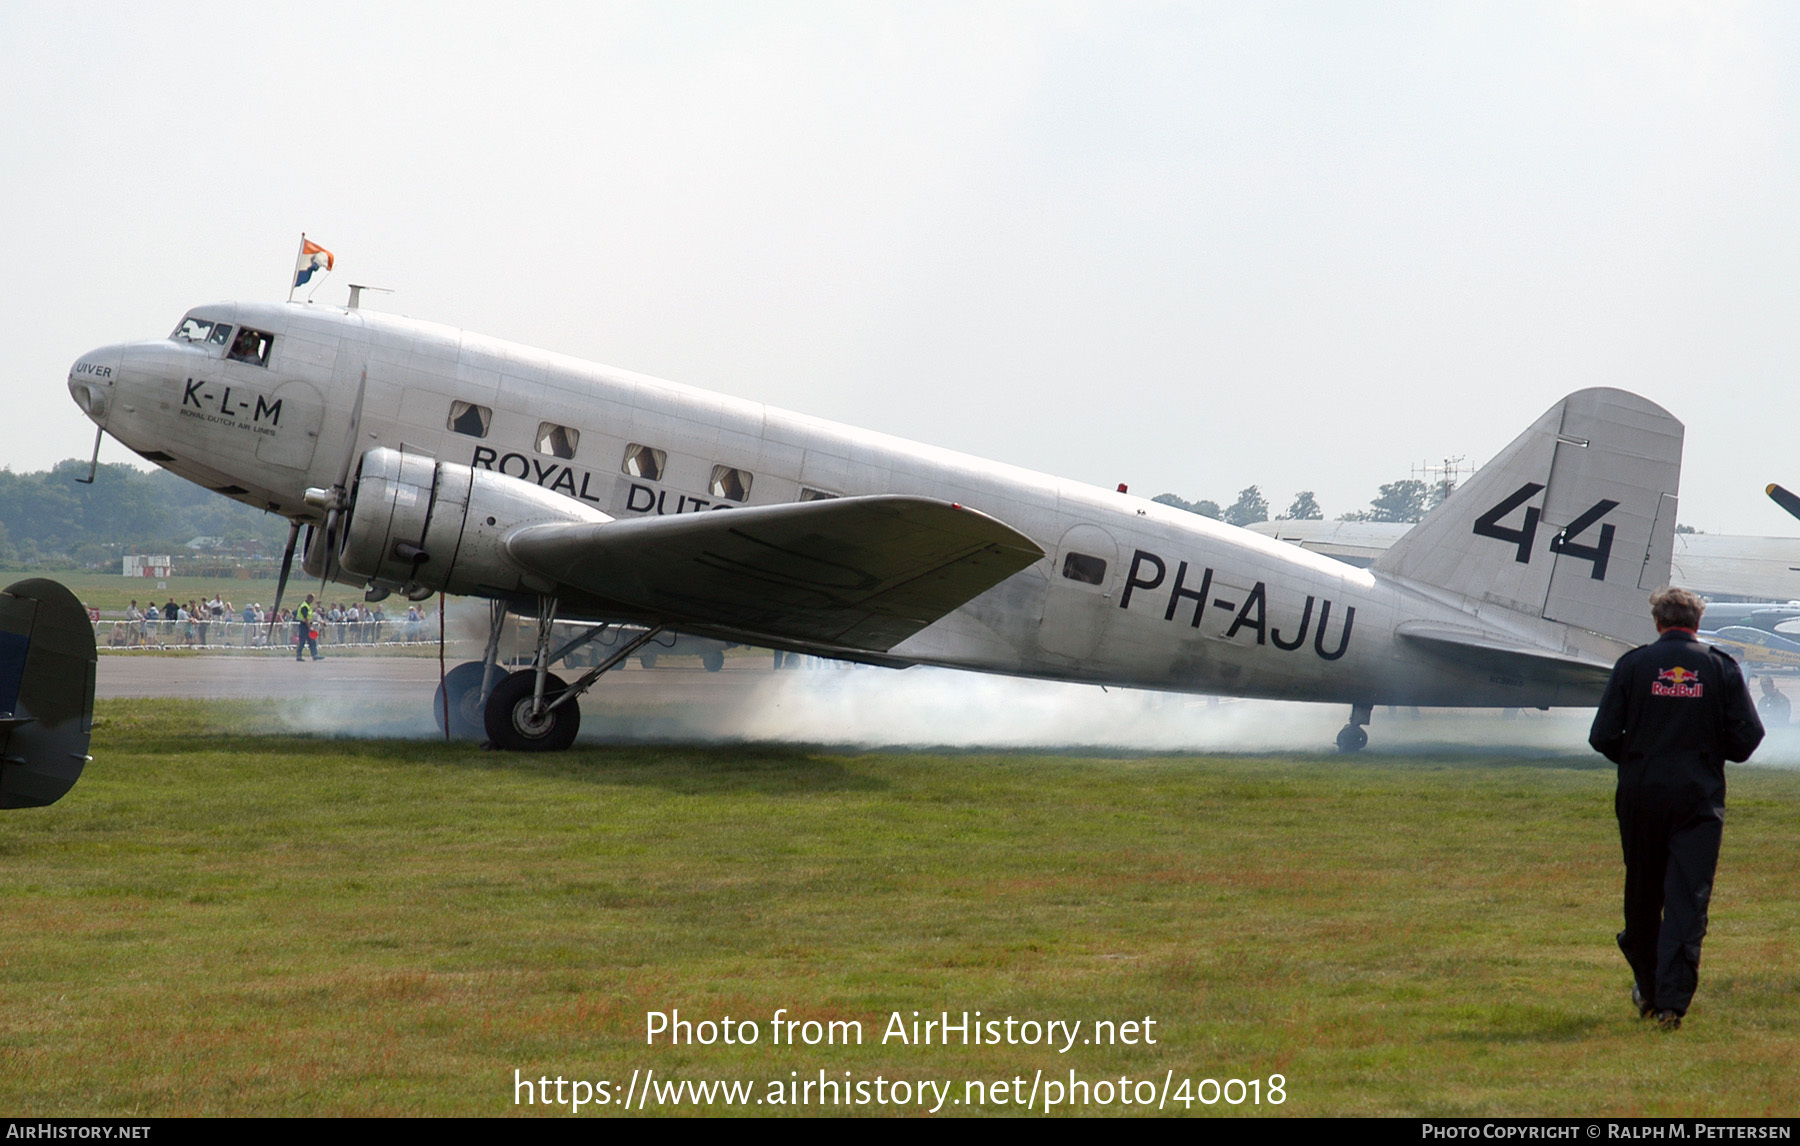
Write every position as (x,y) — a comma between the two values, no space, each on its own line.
(1079,600)
(287,425)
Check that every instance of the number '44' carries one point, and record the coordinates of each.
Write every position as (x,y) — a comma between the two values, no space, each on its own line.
(1564,543)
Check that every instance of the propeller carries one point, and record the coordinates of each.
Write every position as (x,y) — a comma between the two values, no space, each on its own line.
(1784,499)
(336,500)
(287,565)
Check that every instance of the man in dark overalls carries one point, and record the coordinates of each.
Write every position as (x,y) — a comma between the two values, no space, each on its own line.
(1672,714)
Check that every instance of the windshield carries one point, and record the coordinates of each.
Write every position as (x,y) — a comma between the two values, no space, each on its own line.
(202,331)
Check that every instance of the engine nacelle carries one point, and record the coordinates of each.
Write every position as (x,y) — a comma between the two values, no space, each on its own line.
(426,526)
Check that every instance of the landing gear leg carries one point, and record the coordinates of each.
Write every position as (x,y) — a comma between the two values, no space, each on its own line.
(469,684)
(490,659)
(1353,736)
(534,710)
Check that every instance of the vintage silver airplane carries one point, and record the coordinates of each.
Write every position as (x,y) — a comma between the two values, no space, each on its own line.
(423,458)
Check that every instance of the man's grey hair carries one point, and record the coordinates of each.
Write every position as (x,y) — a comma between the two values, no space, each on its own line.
(1676,608)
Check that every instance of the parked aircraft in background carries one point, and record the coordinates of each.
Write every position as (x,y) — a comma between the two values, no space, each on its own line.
(1756,648)
(421,458)
(1737,568)
(1784,498)
(1761,632)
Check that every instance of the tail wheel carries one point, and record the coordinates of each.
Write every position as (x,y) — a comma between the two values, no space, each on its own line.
(1352,738)
(464,686)
(511,724)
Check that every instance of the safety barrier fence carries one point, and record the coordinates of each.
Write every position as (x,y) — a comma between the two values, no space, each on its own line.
(226,635)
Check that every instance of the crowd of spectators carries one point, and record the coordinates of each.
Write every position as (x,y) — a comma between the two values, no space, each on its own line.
(219,623)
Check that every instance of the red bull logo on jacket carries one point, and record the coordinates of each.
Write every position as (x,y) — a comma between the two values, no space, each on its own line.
(1676,681)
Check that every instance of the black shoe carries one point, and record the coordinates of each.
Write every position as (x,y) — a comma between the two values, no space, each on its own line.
(1668,1020)
(1644,1006)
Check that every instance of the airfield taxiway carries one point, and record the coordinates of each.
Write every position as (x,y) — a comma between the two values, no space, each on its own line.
(248,676)
(827,703)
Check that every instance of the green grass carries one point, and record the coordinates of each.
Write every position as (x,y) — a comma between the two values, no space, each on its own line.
(223,920)
(111,593)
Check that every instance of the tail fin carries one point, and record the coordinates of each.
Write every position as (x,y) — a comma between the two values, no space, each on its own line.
(1573,522)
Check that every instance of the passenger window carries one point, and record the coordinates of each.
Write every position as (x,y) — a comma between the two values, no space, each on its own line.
(644,462)
(808,493)
(468,418)
(557,440)
(251,346)
(730,484)
(1087,570)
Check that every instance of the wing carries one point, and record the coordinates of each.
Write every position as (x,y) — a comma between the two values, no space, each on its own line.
(855,572)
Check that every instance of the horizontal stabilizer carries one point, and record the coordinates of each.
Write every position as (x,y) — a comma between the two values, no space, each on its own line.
(856,572)
(1498,654)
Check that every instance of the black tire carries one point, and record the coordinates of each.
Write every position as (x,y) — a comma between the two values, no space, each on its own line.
(714,661)
(463,683)
(508,719)
(1352,738)
(648,660)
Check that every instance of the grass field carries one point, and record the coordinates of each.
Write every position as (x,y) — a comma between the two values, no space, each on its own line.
(110,593)
(224,920)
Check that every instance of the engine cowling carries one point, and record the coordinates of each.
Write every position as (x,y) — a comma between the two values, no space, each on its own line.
(426,526)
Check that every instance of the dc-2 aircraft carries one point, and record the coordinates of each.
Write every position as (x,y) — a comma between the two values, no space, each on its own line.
(422,458)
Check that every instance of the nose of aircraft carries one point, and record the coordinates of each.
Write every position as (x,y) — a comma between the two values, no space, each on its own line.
(91,381)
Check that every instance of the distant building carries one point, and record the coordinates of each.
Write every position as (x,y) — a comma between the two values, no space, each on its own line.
(137,565)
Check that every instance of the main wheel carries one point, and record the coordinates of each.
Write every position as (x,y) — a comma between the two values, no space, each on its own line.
(463,683)
(1352,738)
(511,725)
(714,660)
(648,660)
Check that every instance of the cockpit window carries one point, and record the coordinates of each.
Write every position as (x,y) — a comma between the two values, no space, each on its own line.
(202,331)
(251,346)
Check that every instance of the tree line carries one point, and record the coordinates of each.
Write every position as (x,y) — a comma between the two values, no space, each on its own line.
(49,520)
(1406,500)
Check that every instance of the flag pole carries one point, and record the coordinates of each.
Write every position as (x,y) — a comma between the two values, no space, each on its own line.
(298,255)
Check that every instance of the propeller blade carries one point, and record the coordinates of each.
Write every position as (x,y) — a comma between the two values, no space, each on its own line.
(340,492)
(350,454)
(330,547)
(1784,499)
(287,565)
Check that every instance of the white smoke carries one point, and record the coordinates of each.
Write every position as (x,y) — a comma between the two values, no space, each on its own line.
(858,707)
(939,708)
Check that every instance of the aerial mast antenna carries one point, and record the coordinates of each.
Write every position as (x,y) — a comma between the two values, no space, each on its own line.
(1443,478)
(356,290)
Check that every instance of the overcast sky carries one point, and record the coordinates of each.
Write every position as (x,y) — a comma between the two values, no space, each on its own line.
(1189,246)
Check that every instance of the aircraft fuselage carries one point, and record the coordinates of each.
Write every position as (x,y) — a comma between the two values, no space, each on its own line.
(1130,592)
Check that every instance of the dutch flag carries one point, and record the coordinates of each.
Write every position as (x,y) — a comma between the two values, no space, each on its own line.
(312,258)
